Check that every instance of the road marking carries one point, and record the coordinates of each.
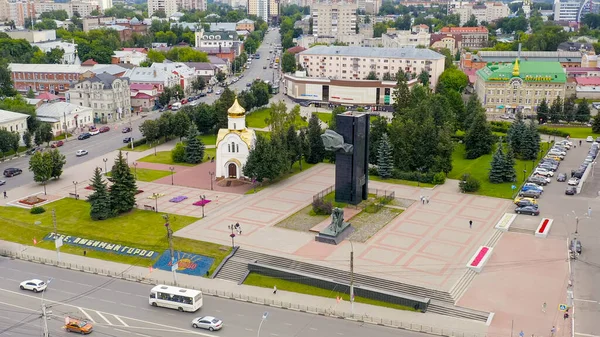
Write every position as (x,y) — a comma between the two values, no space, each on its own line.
(288,324)
(141,334)
(120,320)
(18,306)
(313,329)
(585,334)
(87,315)
(128,305)
(218,310)
(104,318)
(240,315)
(122,292)
(582,300)
(122,330)
(274,334)
(339,333)
(112,302)
(248,329)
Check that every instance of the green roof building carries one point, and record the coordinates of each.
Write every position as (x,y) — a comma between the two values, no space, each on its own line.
(520,86)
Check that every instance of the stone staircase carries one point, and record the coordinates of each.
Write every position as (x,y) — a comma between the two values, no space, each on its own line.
(236,269)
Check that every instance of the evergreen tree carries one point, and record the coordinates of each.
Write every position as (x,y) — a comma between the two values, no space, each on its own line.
(379,127)
(267,160)
(385,159)
(479,138)
(471,109)
(294,148)
(556,110)
(194,149)
(304,146)
(496,175)
(509,174)
(457,104)
(516,134)
(583,111)
(100,206)
(317,149)
(596,124)
(543,112)
(569,109)
(123,190)
(531,144)
(401,95)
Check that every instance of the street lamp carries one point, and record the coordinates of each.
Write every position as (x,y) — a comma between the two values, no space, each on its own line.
(352,276)
(203,200)
(172,169)
(135,169)
(105,160)
(155,196)
(75,184)
(127,157)
(155,145)
(232,236)
(211,174)
(524,173)
(264,317)
(170,238)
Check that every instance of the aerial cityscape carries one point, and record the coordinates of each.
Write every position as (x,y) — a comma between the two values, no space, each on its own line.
(290,168)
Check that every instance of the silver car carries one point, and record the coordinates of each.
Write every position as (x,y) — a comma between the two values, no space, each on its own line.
(208,323)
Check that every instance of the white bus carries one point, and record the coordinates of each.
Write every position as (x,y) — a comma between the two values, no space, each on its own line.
(175,298)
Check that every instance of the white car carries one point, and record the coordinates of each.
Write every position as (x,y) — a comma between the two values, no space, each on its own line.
(2,182)
(565,143)
(573,182)
(589,139)
(208,323)
(548,180)
(543,172)
(80,153)
(34,285)
(94,132)
(557,152)
(535,185)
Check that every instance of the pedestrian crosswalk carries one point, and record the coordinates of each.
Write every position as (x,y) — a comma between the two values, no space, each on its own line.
(103,318)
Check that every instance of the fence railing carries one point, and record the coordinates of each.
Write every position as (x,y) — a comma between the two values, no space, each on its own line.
(323,193)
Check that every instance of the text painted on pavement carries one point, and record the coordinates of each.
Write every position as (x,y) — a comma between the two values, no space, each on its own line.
(102,246)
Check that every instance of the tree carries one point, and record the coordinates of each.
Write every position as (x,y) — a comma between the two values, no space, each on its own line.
(542,112)
(165,125)
(569,108)
(556,110)
(265,160)
(424,78)
(27,139)
(453,79)
(41,166)
(221,106)
(583,111)
(596,124)
(194,149)
(100,205)
(180,124)
(150,130)
(199,83)
(58,162)
(220,76)
(531,143)
(123,189)
(317,149)
(277,117)
(516,134)
(385,159)
(294,147)
(509,174)
(479,138)
(288,62)
(43,134)
(497,165)
(7,88)
(372,76)
(401,94)
(30,93)
(379,127)
(472,21)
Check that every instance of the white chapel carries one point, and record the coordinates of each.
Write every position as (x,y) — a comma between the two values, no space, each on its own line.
(234,144)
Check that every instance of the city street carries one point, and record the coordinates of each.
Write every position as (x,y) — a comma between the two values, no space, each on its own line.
(118,307)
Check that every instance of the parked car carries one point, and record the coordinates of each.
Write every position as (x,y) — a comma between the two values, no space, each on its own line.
(548,166)
(57,144)
(531,200)
(12,171)
(531,210)
(218,92)
(83,136)
(557,152)
(526,202)
(547,179)
(589,139)
(531,188)
(208,323)
(543,172)
(554,157)
(265,66)
(538,180)
(128,140)
(562,177)
(81,153)
(573,181)
(535,194)
(94,132)
(202,94)
(104,129)
(534,185)
(571,190)
(577,173)
(34,285)
(2,182)
(551,161)
(79,326)
(126,129)
(184,101)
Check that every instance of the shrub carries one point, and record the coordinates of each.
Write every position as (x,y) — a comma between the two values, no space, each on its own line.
(499,126)
(37,210)
(553,132)
(139,142)
(178,153)
(439,178)
(322,207)
(469,184)
(427,177)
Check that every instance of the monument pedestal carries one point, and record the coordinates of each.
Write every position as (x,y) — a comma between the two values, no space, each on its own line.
(329,237)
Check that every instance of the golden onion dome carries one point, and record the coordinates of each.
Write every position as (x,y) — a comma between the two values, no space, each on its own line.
(236,110)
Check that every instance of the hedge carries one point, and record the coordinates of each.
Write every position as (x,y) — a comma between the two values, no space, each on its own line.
(139,142)
(427,177)
(500,126)
(553,132)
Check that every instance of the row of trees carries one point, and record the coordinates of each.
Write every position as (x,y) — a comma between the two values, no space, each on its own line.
(523,140)
(567,111)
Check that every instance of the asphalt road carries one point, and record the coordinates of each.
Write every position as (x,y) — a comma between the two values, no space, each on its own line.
(103,143)
(123,306)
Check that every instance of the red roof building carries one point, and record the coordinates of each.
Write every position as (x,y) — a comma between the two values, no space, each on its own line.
(471,37)
(89,63)
(295,50)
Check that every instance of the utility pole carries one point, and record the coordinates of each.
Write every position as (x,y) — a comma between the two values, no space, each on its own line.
(57,240)
(45,319)
(170,237)
(352,277)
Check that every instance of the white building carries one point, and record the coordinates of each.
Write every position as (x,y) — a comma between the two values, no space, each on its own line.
(567,10)
(168,6)
(14,122)
(160,78)
(216,39)
(404,38)
(234,144)
(107,95)
(333,19)
(105,4)
(184,75)
(191,5)
(129,56)
(355,63)
(33,36)
(260,8)
(488,12)
(70,49)
(59,114)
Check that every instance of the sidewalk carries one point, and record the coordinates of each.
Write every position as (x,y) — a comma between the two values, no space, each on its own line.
(428,323)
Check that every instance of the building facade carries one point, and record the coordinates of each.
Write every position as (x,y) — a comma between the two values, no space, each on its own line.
(65,116)
(403,38)
(14,122)
(567,10)
(33,36)
(488,12)
(471,37)
(185,75)
(355,63)
(155,76)
(567,59)
(134,57)
(333,19)
(107,95)
(218,39)
(168,6)
(57,78)
(199,5)
(260,8)
(70,49)
(520,86)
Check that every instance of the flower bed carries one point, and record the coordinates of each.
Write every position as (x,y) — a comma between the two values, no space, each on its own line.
(201,202)
(156,196)
(179,198)
(89,187)
(480,258)
(32,201)
(505,222)
(544,228)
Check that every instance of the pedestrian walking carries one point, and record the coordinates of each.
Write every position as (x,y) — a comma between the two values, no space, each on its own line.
(544,307)
(552,331)
(421,198)
(589,212)
(580,142)
(566,316)
(5,196)
(427,200)
(274,290)
(84,253)
(470,223)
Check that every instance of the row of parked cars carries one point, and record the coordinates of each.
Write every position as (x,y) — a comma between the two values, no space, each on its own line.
(533,189)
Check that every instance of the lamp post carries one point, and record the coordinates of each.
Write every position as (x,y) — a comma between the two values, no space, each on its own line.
(211,174)
(135,169)
(155,196)
(170,237)
(232,236)
(172,169)
(75,184)
(264,317)
(203,200)
(524,173)
(127,157)
(155,145)
(352,277)
(105,160)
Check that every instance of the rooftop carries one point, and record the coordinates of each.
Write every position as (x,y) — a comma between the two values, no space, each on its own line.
(58,109)
(113,69)
(141,86)
(141,74)
(464,30)
(104,78)
(44,68)
(9,116)
(200,65)
(544,56)
(529,71)
(404,53)
(587,80)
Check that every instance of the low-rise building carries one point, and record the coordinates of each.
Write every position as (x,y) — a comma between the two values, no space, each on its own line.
(33,36)
(203,69)
(356,63)
(95,22)
(520,86)
(245,24)
(583,72)
(70,49)
(584,87)
(218,39)
(134,57)
(14,122)
(567,59)
(185,75)
(107,95)
(471,37)
(57,78)
(154,76)
(452,42)
(405,38)
(65,116)
(143,97)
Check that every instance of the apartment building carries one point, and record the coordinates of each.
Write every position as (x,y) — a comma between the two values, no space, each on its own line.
(355,63)
(403,38)
(471,37)
(17,10)
(488,12)
(567,10)
(216,39)
(519,86)
(156,76)
(32,36)
(70,50)
(168,6)
(184,74)
(57,78)
(14,122)
(83,7)
(107,95)
(260,8)
(199,5)
(333,19)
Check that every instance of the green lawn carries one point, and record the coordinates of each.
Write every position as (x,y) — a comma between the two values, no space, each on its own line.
(209,153)
(162,157)
(143,147)
(257,118)
(400,182)
(324,117)
(295,170)
(479,169)
(62,137)
(140,229)
(11,152)
(575,131)
(144,174)
(265,134)
(209,139)
(285,285)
